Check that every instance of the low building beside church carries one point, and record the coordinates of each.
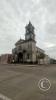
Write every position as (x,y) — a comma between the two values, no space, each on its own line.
(6,58)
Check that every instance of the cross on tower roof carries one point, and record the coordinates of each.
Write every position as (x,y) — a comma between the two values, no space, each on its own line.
(29,28)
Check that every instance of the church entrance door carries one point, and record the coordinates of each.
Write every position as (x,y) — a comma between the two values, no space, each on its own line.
(20,57)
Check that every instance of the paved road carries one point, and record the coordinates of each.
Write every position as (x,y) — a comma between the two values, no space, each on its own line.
(20,82)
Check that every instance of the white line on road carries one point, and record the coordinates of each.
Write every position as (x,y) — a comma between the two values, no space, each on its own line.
(4,97)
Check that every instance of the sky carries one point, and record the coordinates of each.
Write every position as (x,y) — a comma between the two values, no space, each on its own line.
(15,15)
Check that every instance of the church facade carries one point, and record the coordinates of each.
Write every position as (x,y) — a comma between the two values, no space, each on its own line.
(25,50)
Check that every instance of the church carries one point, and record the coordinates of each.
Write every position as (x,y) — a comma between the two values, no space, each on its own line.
(25,50)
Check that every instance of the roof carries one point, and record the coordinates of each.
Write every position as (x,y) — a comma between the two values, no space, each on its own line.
(19,41)
(40,50)
(23,41)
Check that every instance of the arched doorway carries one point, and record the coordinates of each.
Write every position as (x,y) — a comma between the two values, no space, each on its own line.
(20,57)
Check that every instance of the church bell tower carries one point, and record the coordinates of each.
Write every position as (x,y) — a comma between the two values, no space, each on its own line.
(29,35)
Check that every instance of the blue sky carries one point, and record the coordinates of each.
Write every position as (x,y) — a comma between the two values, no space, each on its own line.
(15,14)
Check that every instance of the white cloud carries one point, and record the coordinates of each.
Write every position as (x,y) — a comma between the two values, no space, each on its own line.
(49,45)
